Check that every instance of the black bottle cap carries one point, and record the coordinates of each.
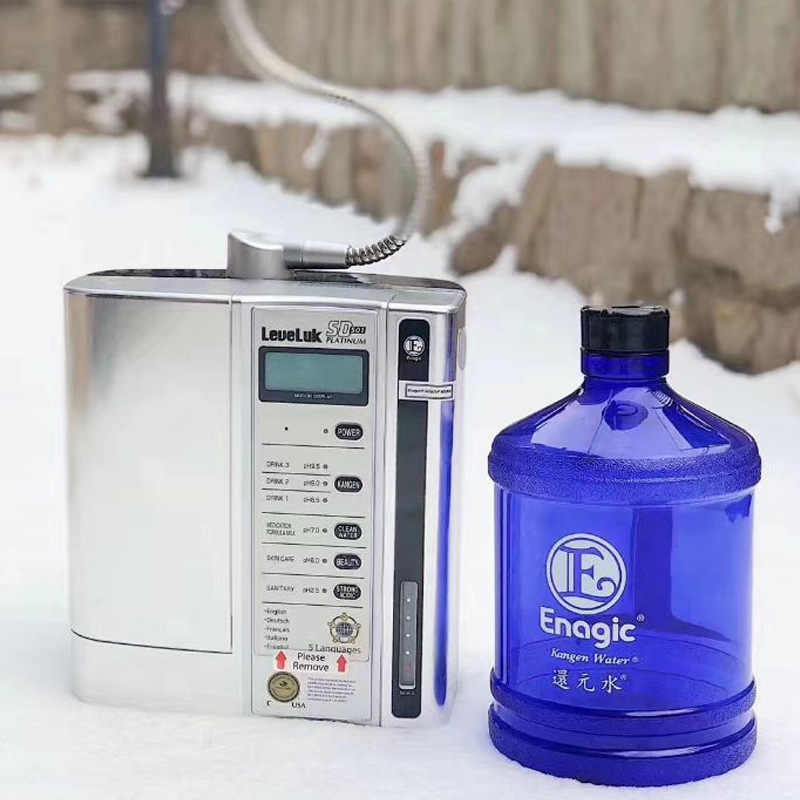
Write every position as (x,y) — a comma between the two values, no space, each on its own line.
(625,329)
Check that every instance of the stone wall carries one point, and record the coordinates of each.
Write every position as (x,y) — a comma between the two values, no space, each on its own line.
(626,239)
(693,54)
(618,237)
(733,280)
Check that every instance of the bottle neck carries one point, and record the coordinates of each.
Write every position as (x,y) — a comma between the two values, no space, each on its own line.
(626,368)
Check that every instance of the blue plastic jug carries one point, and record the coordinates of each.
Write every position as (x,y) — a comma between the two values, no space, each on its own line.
(624,518)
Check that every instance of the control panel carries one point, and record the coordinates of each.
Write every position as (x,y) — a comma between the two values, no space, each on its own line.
(314,427)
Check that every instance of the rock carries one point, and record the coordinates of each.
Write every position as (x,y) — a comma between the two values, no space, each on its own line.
(19,37)
(481,247)
(337,169)
(605,231)
(240,142)
(694,55)
(495,56)
(431,43)
(612,239)
(532,32)
(265,142)
(462,61)
(380,52)
(369,54)
(578,68)
(742,334)
(359,49)
(400,36)
(742,283)
(299,42)
(660,246)
(318,20)
(338,42)
(618,237)
(368,171)
(762,42)
(445,185)
(444,188)
(586,233)
(294,140)
(396,182)
(637,62)
(535,197)
(198,45)
(677,319)
(727,230)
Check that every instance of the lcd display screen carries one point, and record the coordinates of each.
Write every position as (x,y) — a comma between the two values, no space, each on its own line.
(317,372)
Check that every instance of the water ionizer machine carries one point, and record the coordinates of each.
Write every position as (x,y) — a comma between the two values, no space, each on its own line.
(262,493)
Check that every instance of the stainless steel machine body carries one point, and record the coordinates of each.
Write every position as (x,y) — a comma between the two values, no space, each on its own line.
(263,493)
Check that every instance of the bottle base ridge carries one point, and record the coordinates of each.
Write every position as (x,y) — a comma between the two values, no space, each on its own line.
(622,767)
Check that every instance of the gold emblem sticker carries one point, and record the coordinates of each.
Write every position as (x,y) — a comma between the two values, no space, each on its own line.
(283,686)
(344,629)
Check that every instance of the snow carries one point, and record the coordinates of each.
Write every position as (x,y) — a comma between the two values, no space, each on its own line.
(739,149)
(72,206)
(18,83)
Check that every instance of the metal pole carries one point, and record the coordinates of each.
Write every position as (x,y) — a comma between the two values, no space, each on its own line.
(159,134)
(51,99)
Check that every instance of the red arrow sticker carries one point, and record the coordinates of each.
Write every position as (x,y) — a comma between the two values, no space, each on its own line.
(280,660)
(342,662)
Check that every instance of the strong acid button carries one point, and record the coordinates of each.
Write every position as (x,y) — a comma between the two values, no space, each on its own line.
(283,687)
(347,591)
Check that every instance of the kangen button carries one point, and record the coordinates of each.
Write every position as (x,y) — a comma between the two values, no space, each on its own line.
(348,483)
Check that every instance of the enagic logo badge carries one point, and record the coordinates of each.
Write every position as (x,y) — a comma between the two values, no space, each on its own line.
(587,576)
(585,573)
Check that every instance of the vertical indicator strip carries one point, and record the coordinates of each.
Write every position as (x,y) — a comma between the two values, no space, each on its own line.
(409,549)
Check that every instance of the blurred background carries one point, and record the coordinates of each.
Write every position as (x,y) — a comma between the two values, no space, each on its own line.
(642,151)
(602,150)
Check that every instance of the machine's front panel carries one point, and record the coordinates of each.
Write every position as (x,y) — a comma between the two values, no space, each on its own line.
(314,483)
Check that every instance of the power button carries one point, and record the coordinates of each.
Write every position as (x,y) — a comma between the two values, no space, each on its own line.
(349,431)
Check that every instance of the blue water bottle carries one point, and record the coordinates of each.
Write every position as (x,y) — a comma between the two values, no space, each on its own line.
(624,569)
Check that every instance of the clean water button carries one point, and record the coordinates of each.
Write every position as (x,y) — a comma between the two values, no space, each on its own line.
(348,483)
(347,530)
(349,431)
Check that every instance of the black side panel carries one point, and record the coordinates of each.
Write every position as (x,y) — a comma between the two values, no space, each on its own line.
(412,442)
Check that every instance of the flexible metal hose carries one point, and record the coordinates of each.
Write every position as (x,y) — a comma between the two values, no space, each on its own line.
(266,64)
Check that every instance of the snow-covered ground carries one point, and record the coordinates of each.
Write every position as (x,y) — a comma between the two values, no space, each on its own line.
(74,206)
